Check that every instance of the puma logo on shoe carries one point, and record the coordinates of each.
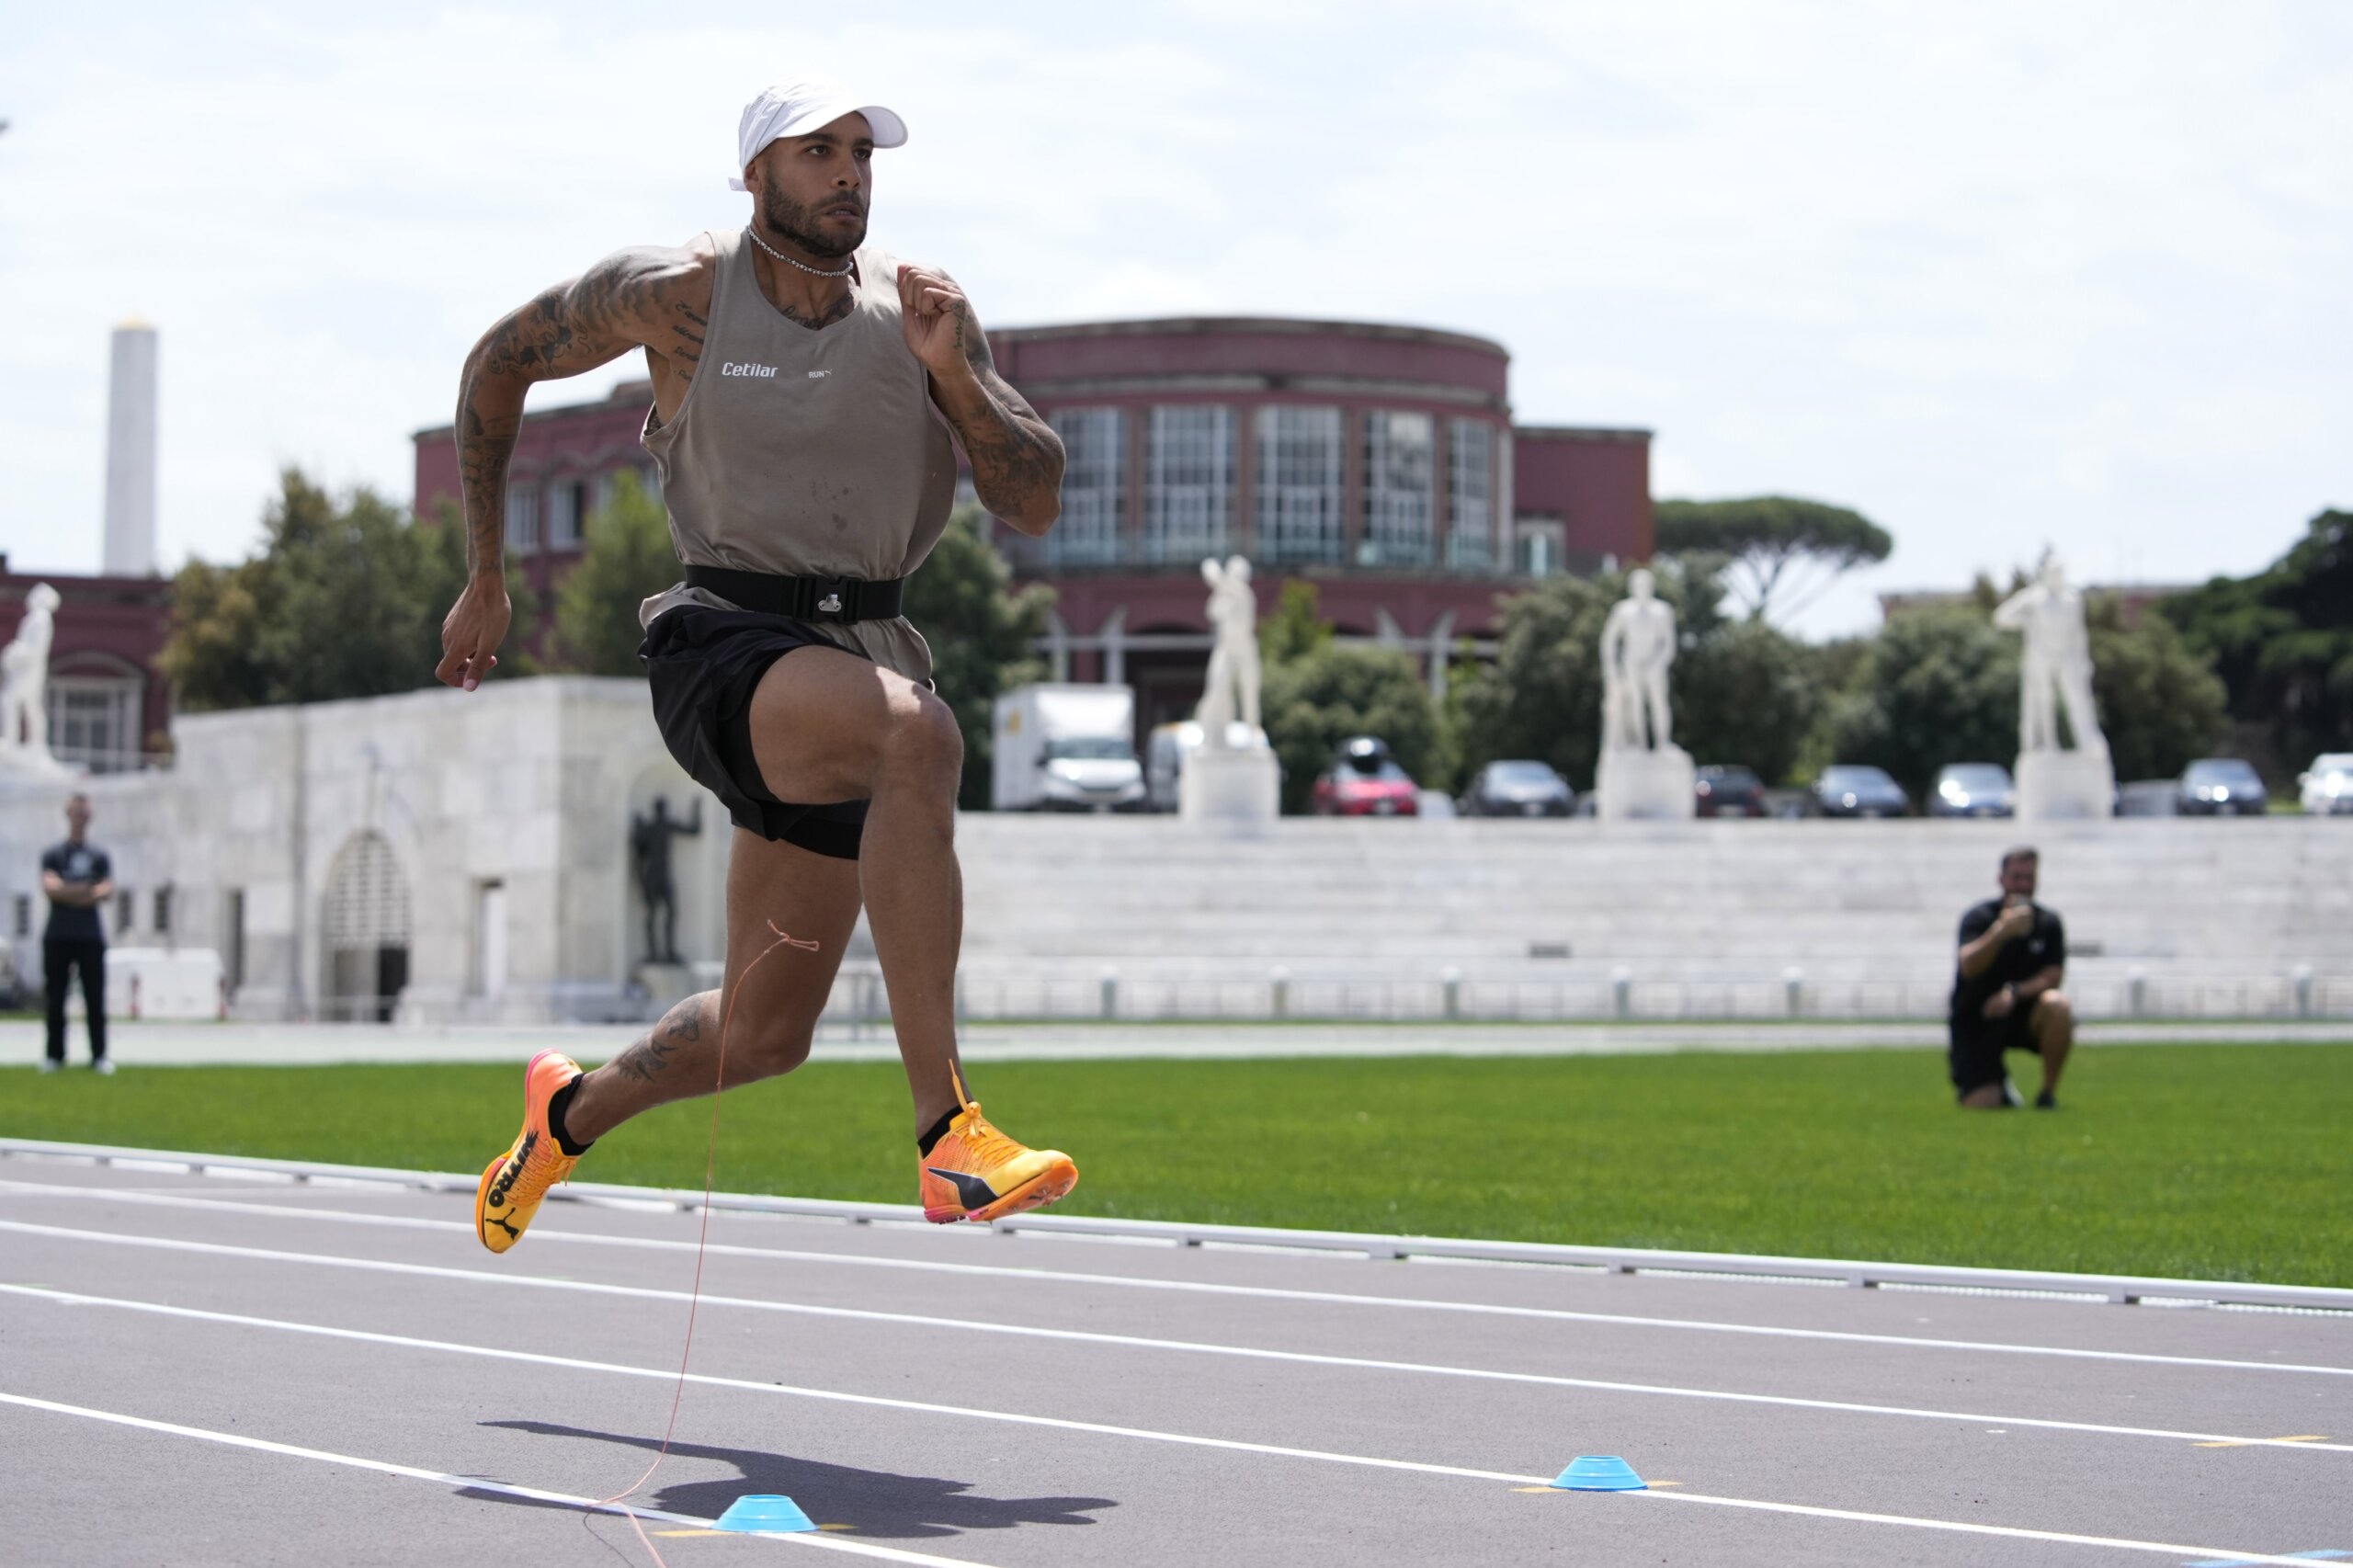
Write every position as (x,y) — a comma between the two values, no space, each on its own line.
(971,1190)
(512,1233)
(513,1168)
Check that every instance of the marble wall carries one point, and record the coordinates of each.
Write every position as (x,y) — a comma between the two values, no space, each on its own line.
(485,836)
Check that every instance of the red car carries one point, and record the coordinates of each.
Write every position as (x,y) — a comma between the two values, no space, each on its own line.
(1364,780)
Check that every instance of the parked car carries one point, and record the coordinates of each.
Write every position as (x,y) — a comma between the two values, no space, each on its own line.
(2327,784)
(1364,780)
(1973,790)
(1851,790)
(1517,790)
(2222,786)
(1728,790)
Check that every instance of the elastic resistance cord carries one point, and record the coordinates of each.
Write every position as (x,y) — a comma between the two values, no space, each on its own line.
(693,1300)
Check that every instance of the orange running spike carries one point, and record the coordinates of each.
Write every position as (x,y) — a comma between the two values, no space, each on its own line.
(975,1171)
(513,1184)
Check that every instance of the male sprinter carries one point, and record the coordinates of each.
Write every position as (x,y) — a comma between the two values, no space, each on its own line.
(2005,995)
(805,384)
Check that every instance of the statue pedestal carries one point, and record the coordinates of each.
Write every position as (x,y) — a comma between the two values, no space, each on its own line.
(32,763)
(2062,786)
(1657,786)
(667,984)
(1229,784)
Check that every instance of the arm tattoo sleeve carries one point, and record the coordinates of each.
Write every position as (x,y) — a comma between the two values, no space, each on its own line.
(1017,458)
(568,329)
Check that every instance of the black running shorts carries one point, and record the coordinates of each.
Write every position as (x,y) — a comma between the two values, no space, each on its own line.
(1976,1055)
(703,664)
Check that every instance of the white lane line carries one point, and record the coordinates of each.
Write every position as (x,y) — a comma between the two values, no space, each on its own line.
(2014,1532)
(711,1380)
(473,1483)
(1092,1428)
(1139,1342)
(545,1232)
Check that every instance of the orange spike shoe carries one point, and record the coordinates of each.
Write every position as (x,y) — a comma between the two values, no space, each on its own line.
(975,1171)
(513,1184)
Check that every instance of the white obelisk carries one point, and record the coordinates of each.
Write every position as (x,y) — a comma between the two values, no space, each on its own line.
(131,453)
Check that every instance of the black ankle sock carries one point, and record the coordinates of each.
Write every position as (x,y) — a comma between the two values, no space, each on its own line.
(558,1103)
(924,1141)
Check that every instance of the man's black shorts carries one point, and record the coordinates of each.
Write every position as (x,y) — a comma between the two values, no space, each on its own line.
(1975,1055)
(703,664)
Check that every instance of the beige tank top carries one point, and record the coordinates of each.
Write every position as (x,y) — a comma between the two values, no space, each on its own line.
(806,453)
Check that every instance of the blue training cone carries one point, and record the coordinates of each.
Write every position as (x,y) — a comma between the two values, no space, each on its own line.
(767,1513)
(1598,1472)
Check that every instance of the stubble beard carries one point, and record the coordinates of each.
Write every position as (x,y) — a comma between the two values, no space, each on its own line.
(796,222)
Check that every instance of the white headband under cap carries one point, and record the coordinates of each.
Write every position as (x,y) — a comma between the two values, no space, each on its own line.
(797,106)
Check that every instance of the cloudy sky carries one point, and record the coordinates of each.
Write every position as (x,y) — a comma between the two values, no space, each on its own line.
(2000,275)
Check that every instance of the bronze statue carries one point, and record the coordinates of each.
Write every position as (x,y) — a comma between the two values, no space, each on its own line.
(649,854)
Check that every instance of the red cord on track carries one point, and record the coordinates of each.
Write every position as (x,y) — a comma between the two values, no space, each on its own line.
(702,1236)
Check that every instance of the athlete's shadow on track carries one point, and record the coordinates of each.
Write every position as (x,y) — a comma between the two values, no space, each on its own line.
(881,1504)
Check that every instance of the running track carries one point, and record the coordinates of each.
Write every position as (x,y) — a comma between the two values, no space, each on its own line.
(197,1370)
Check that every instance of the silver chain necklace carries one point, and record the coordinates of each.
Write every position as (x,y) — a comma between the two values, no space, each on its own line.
(813,271)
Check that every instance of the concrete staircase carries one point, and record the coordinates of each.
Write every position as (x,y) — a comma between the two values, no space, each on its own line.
(1540,918)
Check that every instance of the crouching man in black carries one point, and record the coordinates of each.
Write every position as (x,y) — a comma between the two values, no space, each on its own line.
(2007,997)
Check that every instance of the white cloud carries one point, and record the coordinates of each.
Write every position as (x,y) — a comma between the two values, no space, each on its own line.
(1995,276)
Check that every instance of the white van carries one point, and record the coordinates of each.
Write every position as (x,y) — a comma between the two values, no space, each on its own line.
(1065,747)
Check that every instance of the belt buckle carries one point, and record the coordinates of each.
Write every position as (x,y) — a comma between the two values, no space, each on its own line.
(832,597)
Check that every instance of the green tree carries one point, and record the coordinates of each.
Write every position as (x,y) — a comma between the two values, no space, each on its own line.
(344,598)
(627,559)
(2282,642)
(1541,697)
(1784,551)
(1742,692)
(1749,694)
(1313,702)
(1940,685)
(983,634)
(2159,705)
(1296,629)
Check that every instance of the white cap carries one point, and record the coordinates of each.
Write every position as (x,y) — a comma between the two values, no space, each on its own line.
(799,105)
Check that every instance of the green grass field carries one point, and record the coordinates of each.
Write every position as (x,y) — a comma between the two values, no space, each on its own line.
(2220,1161)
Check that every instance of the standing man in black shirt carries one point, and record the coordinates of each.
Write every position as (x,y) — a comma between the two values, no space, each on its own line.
(78,879)
(2006,996)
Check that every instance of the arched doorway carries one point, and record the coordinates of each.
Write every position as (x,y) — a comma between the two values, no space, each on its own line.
(367,931)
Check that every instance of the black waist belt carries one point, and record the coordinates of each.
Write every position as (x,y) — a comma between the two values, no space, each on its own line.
(803,598)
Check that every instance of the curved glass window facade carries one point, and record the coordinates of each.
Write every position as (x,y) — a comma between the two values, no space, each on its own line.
(1094,491)
(1399,452)
(1188,481)
(1469,493)
(1298,486)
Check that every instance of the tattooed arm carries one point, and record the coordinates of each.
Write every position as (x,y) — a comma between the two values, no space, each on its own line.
(650,297)
(1017,458)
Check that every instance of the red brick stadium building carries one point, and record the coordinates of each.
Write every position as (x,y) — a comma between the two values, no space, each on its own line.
(1379,463)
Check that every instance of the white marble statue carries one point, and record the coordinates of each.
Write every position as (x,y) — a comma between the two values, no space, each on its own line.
(2057,666)
(1230,777)
(1637,646)
(24,682)
(1231,692)
(2056,670)
(1642,773)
